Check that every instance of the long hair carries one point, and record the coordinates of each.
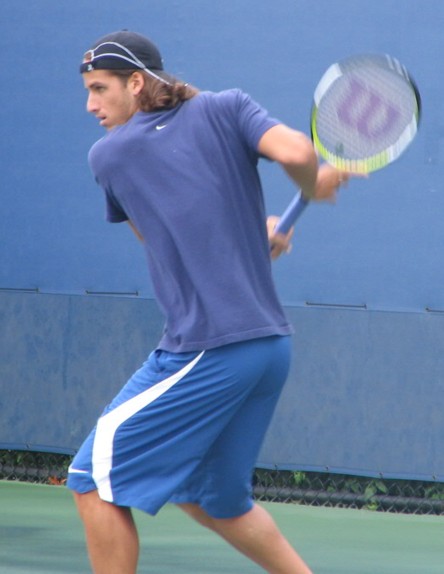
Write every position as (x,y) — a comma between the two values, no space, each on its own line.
(158,95)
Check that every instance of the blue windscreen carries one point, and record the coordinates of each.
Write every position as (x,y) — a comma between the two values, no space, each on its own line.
(363,284)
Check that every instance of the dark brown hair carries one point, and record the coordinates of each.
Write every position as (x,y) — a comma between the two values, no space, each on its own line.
(156,94)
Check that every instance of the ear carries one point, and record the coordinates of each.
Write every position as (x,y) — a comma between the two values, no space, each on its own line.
(136,83)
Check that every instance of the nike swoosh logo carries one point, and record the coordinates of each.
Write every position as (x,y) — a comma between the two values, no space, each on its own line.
(161,126)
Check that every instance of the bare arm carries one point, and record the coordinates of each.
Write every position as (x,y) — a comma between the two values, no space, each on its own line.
(294,151)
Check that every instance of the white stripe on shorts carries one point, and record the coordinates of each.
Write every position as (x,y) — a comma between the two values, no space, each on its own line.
(108,424)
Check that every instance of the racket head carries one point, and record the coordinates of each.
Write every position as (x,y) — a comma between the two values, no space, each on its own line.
(366,111)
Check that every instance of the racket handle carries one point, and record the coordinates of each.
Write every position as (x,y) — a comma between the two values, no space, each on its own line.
(291,214)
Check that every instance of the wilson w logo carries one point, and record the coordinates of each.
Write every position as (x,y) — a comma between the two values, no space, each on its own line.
(366,112)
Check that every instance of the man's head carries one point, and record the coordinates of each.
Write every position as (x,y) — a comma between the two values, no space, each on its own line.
(114,73)
(123,73)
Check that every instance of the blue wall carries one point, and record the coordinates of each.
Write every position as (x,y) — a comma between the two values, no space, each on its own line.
(363,285)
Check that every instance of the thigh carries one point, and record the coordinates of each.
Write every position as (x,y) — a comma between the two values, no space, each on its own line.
(221,484)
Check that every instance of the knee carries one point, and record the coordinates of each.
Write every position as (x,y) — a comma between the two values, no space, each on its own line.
(198,514)
(86,502)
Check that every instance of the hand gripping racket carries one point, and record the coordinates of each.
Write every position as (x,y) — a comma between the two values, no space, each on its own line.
(365,112)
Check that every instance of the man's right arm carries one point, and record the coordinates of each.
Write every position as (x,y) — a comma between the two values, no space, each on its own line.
(295,152)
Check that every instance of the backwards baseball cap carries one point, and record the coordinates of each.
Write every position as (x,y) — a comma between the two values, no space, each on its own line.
(124,50)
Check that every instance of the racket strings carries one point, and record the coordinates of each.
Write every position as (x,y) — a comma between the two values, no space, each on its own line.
(365,116)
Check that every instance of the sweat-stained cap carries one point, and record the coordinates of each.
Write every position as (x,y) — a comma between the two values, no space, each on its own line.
(124,50)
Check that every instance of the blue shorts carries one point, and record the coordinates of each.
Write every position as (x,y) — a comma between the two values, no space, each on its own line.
(187,427)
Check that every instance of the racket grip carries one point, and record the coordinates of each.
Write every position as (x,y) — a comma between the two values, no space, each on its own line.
(291,214)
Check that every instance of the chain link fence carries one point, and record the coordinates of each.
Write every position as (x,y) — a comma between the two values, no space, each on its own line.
(345,491)
(36,467)
(308,488)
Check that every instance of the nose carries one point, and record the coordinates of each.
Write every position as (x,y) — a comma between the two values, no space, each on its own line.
(91,104)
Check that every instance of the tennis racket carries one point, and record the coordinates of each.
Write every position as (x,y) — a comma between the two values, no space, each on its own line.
(366,111)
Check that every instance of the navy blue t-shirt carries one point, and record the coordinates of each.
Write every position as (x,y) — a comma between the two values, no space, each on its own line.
(187,179)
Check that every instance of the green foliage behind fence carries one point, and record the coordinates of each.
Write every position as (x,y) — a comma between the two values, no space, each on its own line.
(309,488)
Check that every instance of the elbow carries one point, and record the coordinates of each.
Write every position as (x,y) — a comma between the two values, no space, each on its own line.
(289,147)
(300,153)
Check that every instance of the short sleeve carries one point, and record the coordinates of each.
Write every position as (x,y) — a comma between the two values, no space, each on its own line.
(253,120)
(113,211)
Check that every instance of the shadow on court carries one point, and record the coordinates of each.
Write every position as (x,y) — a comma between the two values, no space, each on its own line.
(40,533)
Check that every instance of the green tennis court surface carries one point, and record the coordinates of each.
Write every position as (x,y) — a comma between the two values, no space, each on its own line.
(41,533)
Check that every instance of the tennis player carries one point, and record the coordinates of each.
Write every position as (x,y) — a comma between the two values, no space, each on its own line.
(180,166)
